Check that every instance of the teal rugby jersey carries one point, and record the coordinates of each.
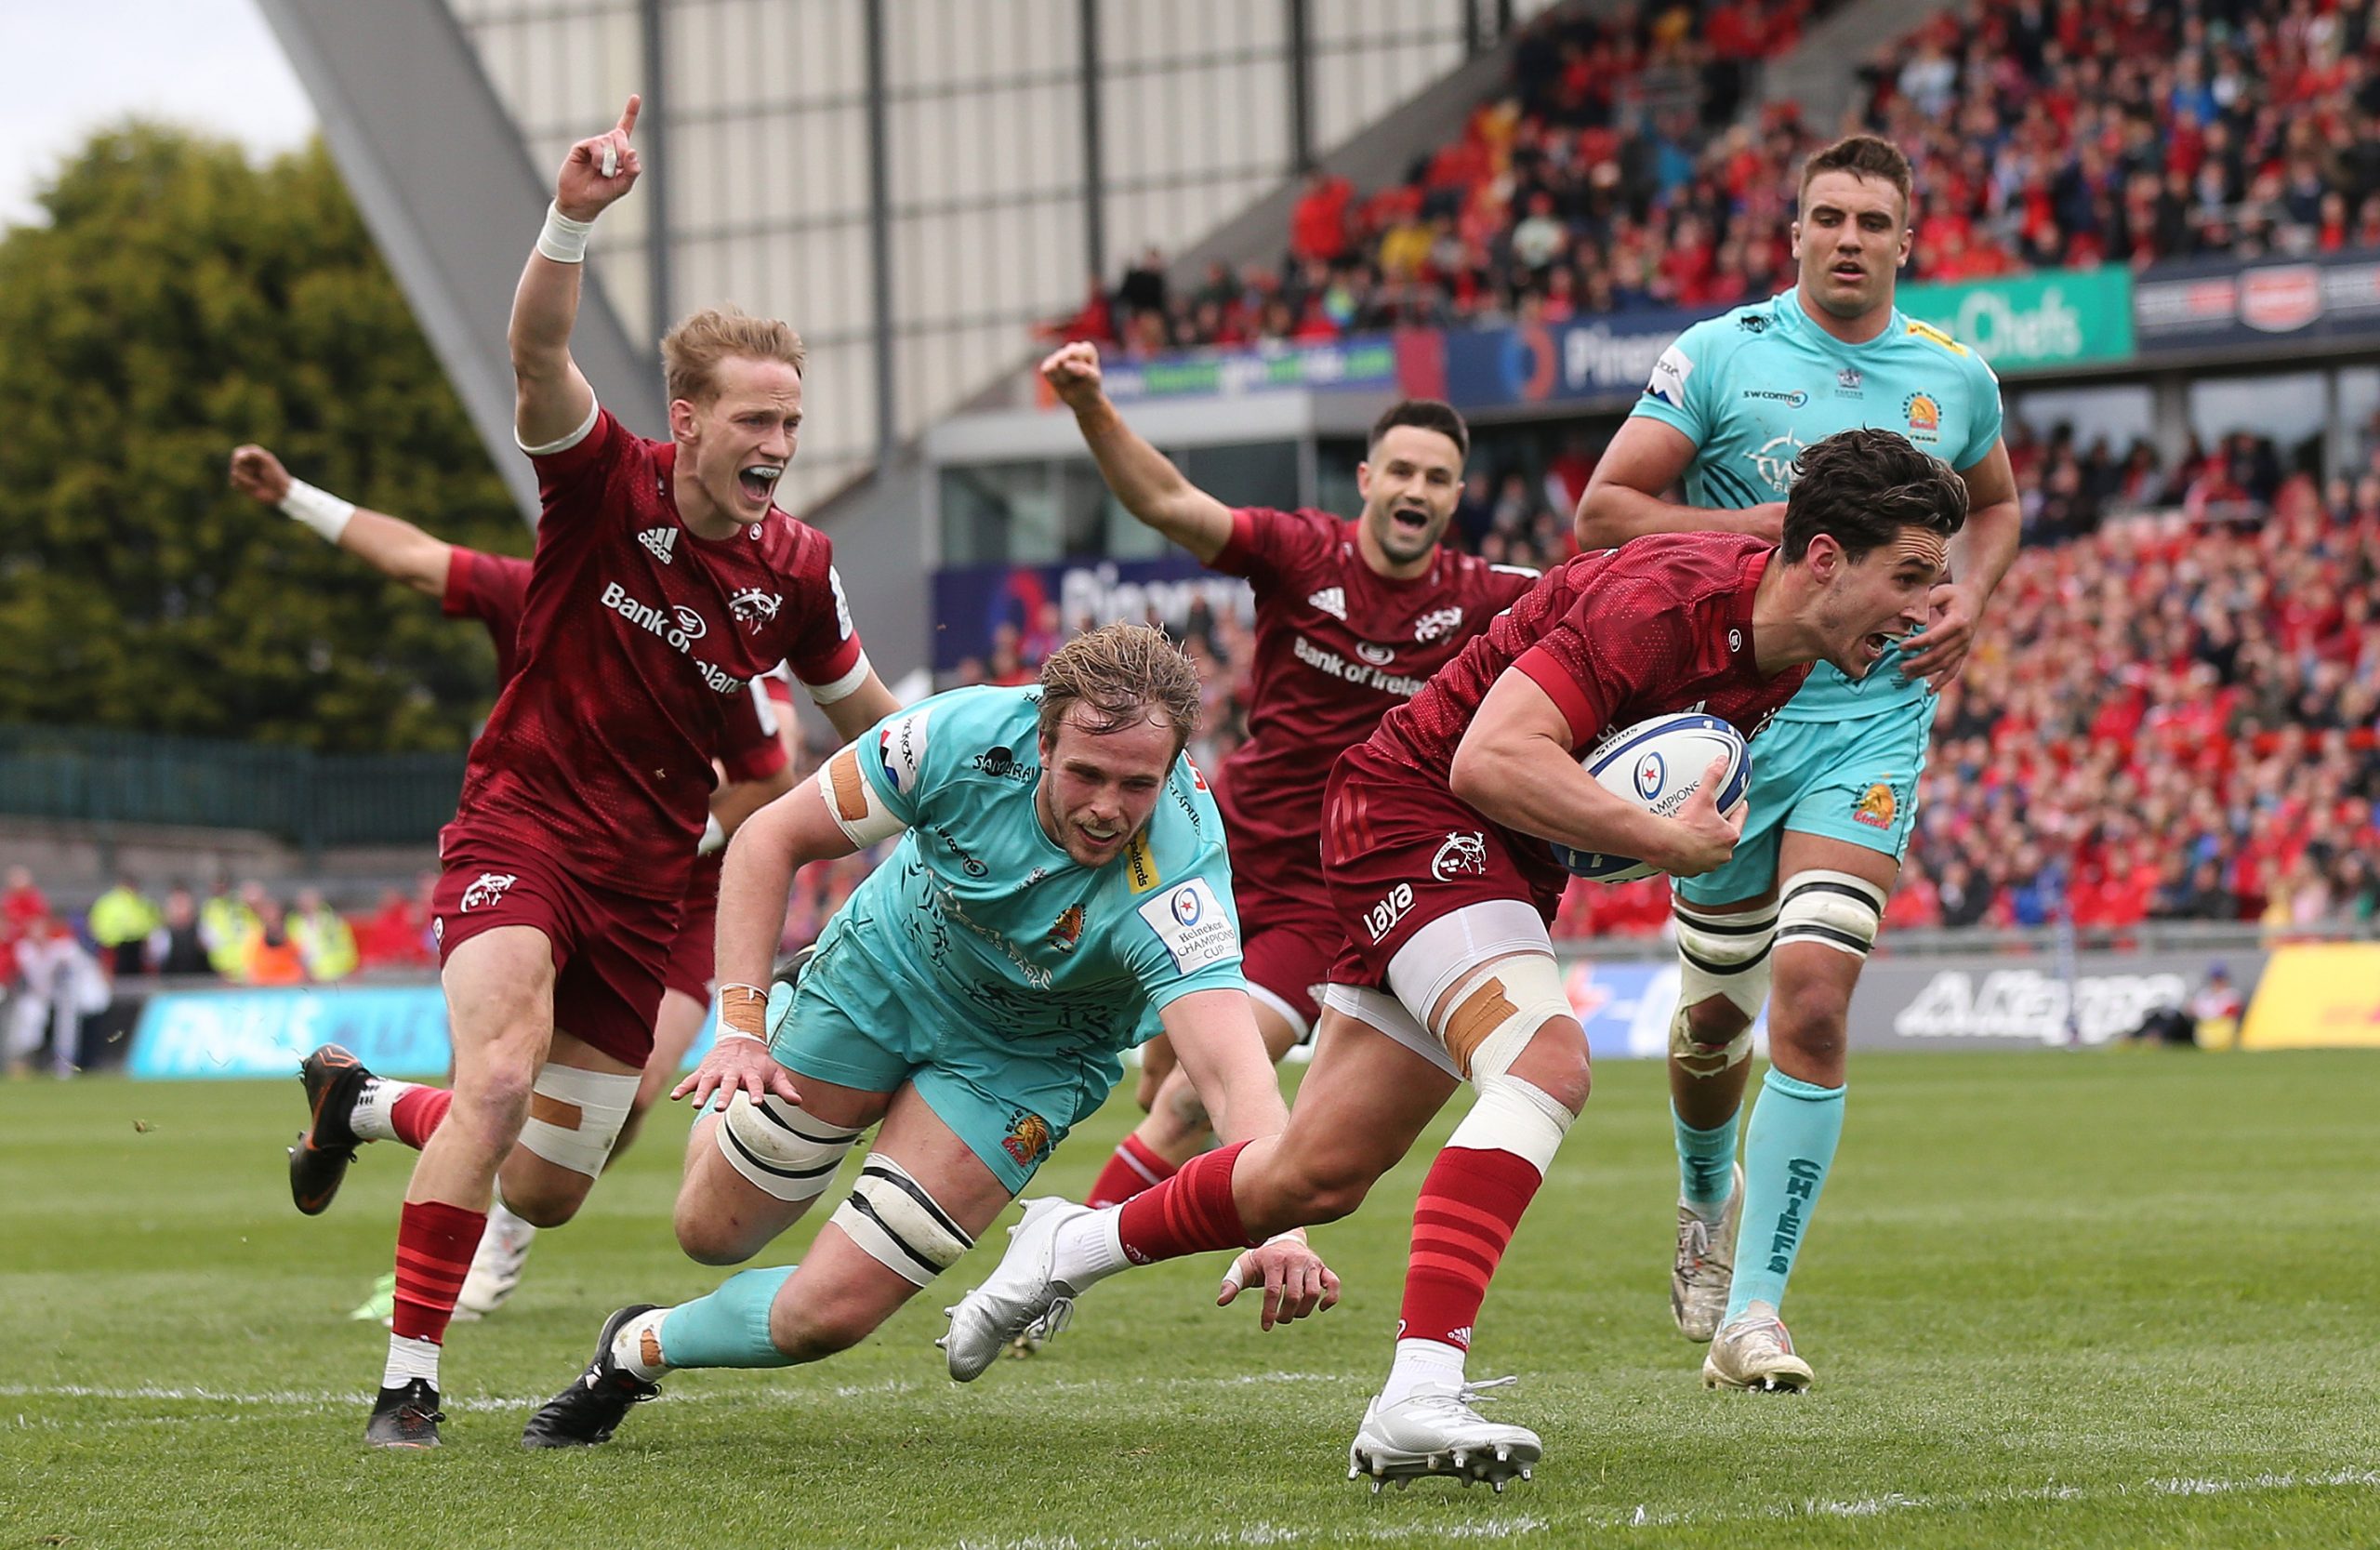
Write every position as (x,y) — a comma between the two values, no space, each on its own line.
(1754,386)
(995,926)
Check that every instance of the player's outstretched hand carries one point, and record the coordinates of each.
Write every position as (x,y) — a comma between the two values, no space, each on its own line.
(736,1064)
(1936,652)
(1295,1280)
(258,473)
(1706,836)
(600,169)
(1073,374)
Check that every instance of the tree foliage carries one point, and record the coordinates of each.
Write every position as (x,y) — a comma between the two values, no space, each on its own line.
(182,301)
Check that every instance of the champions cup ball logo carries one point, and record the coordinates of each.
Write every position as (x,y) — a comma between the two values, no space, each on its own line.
(1650,775)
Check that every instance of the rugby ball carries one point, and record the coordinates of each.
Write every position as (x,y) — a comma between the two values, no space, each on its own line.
(1656,764)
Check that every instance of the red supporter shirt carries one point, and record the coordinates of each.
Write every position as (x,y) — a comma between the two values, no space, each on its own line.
(633,664)
(1338,646)
(1660,626)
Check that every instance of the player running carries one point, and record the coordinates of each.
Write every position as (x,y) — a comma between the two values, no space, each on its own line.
(492,589)
(1434,848)
(1060,887)
(1351,618)
(1834,777)
(664,580)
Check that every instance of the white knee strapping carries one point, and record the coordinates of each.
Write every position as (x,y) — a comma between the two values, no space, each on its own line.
(897,1224)
(1832,908)
(1720,955)
(576,1116)
(782,1150)
(1493,1016)
(1516,1117)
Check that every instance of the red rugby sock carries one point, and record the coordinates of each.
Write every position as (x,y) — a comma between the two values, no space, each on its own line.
(434,1246)
(1132,1168)
(417,1113)
(1470,1204)
(1189,1213)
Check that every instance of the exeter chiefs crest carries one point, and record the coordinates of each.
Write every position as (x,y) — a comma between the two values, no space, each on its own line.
(1028,1137)
(754,606)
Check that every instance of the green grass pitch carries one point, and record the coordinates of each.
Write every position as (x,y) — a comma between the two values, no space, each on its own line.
(2052,1300)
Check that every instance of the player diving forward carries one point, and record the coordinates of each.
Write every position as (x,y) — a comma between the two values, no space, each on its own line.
(665,579)
(494,588)
(1061,885)
(1434,846)
(1351,618)
(1834,777)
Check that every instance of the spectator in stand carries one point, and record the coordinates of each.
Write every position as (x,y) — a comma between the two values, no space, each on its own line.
(270,956)
(225,923)
(120,923)
(174,948)
(325,942)
(59,984)
(21,905)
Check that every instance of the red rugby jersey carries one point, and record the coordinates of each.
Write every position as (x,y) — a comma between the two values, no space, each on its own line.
(1660,625)
(1338,645)
(634,659)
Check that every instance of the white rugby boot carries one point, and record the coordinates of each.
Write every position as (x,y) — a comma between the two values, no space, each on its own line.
(1705,1267)
(1433,1431)
(496,1264)
(1752,1350)
(1023,1294)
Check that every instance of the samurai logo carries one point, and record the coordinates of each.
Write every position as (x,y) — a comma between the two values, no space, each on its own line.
(754,606)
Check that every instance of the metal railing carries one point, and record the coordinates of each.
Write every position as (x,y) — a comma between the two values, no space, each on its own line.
(100,775)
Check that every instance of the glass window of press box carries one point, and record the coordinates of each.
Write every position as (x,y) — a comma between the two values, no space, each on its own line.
(1048,509)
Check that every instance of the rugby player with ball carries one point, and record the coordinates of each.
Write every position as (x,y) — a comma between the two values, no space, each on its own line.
(1439,847)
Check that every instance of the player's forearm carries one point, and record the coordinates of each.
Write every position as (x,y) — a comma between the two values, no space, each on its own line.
(738,800)
(1533,785)
(757,877)
(1150,487)
(1985,547)
(1214,1034)
(545,309)
(398,549)
(860,709)
(1610,514)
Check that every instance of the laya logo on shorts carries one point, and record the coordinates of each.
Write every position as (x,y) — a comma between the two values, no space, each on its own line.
(754,606)
(1461,855)
(1067,931)
(487,890)
(1028,1137)
(1877,808)
(1429,627)
(1382,918)
(679,629)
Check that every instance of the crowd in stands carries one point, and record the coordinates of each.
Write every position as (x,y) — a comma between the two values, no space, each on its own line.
(2083,132)
(1623,167)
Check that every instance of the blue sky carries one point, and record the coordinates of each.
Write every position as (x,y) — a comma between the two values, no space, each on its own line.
(211,64)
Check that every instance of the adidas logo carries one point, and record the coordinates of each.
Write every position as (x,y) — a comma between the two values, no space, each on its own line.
(1331,600)
(1460,1338)
(662,541)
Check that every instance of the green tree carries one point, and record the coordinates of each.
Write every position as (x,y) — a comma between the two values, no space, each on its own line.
(182,301)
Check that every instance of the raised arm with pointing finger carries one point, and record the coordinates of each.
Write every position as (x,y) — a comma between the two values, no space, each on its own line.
(551,400)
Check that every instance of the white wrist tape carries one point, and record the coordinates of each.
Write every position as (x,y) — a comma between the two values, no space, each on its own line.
(1238,1274)
(714,837)
(319,509)
(563,239)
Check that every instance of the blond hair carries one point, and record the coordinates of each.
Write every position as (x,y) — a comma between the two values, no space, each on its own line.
(690,352)
(1120,674)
